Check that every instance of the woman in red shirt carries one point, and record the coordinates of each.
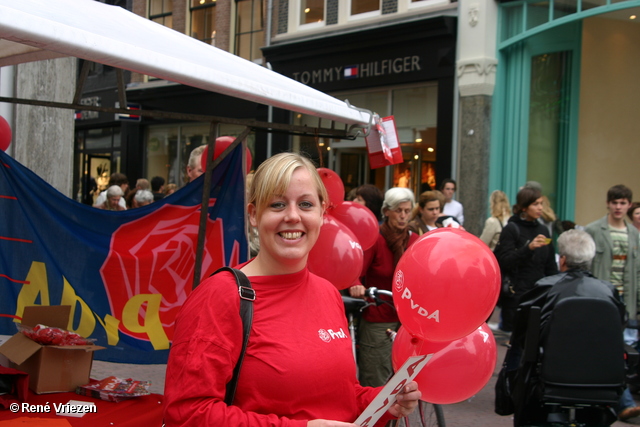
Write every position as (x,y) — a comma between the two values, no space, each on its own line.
(374,358)
(298,368)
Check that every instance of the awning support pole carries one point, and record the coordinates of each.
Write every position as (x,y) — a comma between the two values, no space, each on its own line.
(122,91)
(211,164)
(84,73)
(204,205)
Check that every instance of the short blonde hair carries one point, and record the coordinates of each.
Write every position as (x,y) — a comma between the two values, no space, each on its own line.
(272,179)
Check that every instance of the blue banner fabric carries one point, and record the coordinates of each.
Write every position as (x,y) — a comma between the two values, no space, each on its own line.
(124,274)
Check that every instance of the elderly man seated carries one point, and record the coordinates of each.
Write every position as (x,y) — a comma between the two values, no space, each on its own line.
(577,250)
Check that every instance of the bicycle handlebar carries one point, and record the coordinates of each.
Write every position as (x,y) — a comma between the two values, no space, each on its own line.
(373,294)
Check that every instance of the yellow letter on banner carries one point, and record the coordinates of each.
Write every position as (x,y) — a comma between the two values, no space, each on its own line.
(87,321)
(38,285)
(152,325)
(110,325)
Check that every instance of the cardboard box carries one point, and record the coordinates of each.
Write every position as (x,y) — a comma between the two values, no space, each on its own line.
(51,368)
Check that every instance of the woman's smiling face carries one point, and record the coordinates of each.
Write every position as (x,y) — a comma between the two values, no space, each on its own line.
(290,224)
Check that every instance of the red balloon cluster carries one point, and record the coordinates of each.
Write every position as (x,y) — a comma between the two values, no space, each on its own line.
(222,143)
(5,134)
(348,229)
(445,286)
(457,370)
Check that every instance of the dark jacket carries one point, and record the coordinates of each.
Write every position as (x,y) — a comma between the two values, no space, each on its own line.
(524,266)
(549,291)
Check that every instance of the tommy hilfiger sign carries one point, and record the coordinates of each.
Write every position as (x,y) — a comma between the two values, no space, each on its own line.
(384,67)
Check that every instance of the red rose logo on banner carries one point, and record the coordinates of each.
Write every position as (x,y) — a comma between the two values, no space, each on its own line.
(153,256)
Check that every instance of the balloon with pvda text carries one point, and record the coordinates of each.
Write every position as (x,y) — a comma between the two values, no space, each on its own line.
(446,285)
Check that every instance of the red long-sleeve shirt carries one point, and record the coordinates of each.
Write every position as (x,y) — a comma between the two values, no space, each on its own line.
(298,365)
(378,269)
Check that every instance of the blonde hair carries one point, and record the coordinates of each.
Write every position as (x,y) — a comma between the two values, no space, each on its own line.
(272,178)
(547,213)
(170,188)
(500,206)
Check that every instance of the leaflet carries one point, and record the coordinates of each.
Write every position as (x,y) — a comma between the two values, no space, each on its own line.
(389,392)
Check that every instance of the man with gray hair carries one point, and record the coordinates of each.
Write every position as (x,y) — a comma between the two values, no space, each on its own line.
(194,166)
(577,250)
(143,198)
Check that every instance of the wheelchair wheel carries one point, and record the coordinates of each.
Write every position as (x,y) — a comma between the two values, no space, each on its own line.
(426,415)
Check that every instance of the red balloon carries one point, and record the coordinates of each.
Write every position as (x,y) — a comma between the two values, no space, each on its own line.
(337,255)
(446,285)
(222,143)
(334,186)
(5,134)
(359,219)
(457,370)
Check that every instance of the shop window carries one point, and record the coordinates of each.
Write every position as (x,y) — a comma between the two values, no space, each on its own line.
(311,12)
(249,29)
(203,20)
(415,110)
(168,148)
(161,11)
(359,7)
(98,155)
(548,118)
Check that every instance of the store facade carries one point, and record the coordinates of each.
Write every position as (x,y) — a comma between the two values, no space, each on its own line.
(405,70)
(147,147)
(566,102)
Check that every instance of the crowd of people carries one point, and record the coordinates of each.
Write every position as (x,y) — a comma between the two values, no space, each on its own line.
(119,196)
(602,257)
(598,260)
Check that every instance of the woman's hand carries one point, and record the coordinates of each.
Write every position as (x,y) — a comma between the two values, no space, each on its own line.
(357,291)
(329,423)
(406,401)
(539,241)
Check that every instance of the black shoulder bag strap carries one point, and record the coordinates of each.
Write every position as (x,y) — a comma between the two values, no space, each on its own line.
(247,296)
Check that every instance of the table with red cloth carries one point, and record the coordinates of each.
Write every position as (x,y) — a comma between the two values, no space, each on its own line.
(140,411)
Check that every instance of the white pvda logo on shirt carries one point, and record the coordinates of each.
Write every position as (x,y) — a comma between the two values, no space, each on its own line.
(328,335)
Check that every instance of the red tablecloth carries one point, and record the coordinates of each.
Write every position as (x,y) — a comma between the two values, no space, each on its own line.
(144,411)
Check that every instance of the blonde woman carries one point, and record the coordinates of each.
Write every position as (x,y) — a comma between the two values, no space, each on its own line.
(500,213)
(292,375)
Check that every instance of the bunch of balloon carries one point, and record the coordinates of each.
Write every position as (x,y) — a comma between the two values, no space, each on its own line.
(445,287)
(457,369)
(348,230)
(5,134)
(222,143)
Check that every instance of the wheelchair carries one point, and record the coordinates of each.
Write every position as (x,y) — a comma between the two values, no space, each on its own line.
(573,372)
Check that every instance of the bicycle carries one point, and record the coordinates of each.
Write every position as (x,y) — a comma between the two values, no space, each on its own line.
(427,414)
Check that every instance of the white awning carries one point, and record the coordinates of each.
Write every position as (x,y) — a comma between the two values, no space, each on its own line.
(110,35)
